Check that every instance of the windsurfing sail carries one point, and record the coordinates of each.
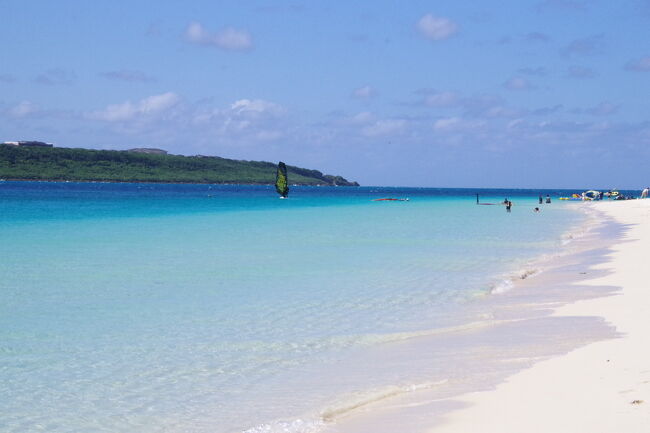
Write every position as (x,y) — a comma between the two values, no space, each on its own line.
(281,184)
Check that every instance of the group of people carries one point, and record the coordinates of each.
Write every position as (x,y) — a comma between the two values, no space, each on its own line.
(508,204)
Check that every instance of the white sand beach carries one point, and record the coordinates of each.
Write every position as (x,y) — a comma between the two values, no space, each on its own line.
(597,385)
(603,387)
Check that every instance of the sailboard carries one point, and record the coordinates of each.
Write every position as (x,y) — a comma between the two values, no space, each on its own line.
(390,199)
(281,183)
(484,204)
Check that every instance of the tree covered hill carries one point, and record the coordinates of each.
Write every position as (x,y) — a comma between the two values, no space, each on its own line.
(74,164)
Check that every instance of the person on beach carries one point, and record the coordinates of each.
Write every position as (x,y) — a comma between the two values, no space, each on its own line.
(644,193)
(548,199)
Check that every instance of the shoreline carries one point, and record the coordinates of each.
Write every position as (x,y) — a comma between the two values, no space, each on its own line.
(535,302)
(602,387)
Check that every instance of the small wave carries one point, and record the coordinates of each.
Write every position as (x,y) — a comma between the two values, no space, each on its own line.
(502,287)
(358,400)
(508,283)
(371,339)
(341,408)
(295,426)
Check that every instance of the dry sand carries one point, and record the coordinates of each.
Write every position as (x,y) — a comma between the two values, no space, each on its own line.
(603,387)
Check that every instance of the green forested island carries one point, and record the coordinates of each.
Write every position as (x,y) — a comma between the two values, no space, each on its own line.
(75,164)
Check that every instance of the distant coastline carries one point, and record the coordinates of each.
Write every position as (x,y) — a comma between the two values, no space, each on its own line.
(54,164)
(161,182)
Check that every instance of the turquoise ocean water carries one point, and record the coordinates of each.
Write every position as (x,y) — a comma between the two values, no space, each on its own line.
(198,308)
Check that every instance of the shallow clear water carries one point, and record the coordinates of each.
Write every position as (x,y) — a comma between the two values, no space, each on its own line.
(149,308)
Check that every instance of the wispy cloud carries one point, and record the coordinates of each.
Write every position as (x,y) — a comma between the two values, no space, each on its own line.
(537,37)
(365,92)
(147,108)
(436,28)
(538,71)
(23,109)
(7,78)
(488,106)
(545,111)
(604,108)
(56,77)
(129,76)
(229,38)
(518,83)
(441,99)
(244,121)
(256,107)
(168,116)
(384,127)
(584,46)
(456,124)
(639,65)
(580,72)
(476,106)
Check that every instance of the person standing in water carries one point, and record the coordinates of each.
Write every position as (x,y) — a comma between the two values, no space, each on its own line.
(540,199)
(508,205)
(548,199)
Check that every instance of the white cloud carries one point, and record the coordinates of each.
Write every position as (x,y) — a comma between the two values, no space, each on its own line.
(128,111)
(436,28)
(25,108)
(456,124)
(245,120)
(446,124)
(362,118)
(229,38)
(256,107)
(365,92)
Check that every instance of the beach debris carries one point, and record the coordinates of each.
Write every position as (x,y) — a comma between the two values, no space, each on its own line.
(637,402)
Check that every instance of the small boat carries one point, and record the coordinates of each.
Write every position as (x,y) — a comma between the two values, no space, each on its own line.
(390,199)
(281,183)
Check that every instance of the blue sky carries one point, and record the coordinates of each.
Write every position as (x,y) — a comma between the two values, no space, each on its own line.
(515,93)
